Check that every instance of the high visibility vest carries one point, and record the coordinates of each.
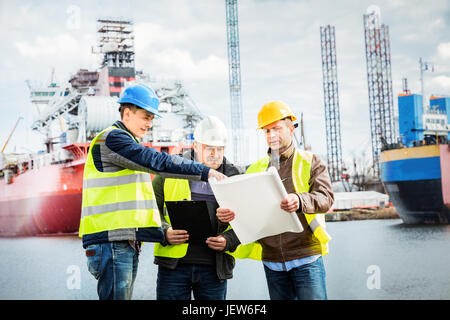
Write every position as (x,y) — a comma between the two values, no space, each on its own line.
(116,200)
(175,190)
(301,171)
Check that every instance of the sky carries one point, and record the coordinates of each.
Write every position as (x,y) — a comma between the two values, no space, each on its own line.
(186,39)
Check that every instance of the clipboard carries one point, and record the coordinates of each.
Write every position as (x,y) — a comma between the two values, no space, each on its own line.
(193,217)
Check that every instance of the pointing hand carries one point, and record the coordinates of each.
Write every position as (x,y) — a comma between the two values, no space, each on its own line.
(216,174)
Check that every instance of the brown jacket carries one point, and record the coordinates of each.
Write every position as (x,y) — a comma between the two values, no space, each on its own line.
(289,245)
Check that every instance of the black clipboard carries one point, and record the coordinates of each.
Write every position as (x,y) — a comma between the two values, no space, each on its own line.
(192,216)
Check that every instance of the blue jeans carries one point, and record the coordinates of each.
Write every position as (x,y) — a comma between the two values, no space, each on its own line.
(306,282)
(201,279)
(114,265)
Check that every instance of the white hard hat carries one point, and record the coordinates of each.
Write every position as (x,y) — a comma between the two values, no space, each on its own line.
(211,131)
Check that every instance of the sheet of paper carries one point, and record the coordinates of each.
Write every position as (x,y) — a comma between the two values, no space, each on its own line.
(255,198)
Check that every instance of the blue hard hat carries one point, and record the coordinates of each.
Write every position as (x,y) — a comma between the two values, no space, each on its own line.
(142,96)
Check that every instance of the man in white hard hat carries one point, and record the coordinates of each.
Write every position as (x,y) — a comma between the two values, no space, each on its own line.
(201,269)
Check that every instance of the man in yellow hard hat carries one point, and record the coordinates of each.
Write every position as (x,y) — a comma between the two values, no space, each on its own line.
(292,261)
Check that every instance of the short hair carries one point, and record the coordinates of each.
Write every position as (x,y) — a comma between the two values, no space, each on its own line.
(130,106)
(288,121)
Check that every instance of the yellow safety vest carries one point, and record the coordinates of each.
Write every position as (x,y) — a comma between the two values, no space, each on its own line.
(116,200)
(301,171)
(174,190)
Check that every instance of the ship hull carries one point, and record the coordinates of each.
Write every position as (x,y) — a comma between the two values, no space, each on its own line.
(419,202)
(42,201)
(418,183)
(49,214)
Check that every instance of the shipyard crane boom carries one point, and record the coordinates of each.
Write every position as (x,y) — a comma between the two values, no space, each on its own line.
(57,108)
(12,131)
(234,69)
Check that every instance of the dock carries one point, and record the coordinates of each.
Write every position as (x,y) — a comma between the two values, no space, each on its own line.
(362,214)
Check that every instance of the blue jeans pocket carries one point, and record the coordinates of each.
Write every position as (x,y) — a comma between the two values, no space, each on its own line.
(94,260)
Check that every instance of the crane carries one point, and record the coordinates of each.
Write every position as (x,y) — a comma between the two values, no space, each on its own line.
(379,83)
(234,69)
(331,101)
(12,131)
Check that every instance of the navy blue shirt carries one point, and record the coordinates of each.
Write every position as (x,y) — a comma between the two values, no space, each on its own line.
(124,151)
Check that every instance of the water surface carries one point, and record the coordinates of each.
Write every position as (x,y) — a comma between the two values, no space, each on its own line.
(371,259)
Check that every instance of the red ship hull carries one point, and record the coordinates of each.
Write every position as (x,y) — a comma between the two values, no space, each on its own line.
(47,200)
(42,201)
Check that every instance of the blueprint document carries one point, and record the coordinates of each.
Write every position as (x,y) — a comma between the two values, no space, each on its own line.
(255,198)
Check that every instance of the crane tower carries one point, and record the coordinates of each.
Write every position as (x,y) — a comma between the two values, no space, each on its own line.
(234,73)
(331,101)
(379,82)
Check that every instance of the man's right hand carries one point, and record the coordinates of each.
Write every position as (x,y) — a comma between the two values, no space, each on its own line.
(225,215)
(216,174)
(176,236)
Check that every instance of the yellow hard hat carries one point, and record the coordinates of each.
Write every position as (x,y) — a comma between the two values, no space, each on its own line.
(274,111)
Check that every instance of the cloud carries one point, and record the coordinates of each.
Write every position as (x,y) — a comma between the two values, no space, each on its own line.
(181,52)
(159,35)
(44,46)
(59,48)
(440,84)
(444,51)
(181,64)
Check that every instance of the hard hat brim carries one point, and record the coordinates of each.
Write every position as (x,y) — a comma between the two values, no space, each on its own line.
(140,105)
(293,118)
(211,143)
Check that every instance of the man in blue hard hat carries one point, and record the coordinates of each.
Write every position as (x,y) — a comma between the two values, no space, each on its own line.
(119,210)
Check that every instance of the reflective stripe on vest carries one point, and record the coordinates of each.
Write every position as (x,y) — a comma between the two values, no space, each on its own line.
(116,181)
(301,168)
(116,200)
(118,206)
(174,190)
